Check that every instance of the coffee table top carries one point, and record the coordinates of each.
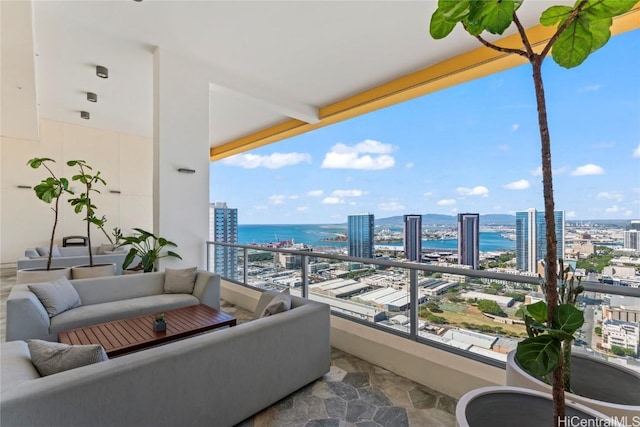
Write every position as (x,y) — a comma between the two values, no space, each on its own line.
(127,335)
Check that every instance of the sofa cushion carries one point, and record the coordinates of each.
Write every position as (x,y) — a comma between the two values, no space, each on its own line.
(179,281)
(44,251)
(281,302)
(52,357)
(16,367)
(106,312)
(57,296)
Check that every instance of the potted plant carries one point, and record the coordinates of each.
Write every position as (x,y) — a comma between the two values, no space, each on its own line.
(148,247)
(159,323)
(84,204)
(48,190)
(580,30)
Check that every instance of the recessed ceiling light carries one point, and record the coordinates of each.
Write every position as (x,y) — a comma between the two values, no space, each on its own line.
(85,115)
(102,72)
(92,97)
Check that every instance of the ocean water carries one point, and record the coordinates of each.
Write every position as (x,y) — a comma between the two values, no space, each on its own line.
(313,235)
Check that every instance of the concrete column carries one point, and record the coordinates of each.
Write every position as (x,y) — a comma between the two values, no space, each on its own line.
(181,140)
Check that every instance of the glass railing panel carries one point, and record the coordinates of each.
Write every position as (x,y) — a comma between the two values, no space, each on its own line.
(476,312)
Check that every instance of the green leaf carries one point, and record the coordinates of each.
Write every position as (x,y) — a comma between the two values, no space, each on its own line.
(539,356)
(454,10)
(600,31)
(495,16)
(608,8)
(537,311)
(129,258)
(173,254)
(573,46)
(567,318)
(439,27)
(555,15)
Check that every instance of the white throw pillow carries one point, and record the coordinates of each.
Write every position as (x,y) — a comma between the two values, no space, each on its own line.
(279,304)
(56,296)
(179,280)
(52,357)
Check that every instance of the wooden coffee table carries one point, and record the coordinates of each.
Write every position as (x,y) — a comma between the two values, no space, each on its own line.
(127,335)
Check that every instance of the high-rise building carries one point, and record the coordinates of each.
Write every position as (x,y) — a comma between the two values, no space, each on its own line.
(361,235)
(469,239)
(634,225)
(413,237)
(223,227)
(531,240)
(632,239)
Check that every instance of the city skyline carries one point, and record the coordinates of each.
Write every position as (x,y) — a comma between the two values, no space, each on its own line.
(473,148)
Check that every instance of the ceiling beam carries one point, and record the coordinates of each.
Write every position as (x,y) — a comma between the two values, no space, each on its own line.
(471,65)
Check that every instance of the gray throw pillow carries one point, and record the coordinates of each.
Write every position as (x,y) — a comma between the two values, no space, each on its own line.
(280,303)
(44,251)
(179,280)
(56,296)
(105,248)
(53,357)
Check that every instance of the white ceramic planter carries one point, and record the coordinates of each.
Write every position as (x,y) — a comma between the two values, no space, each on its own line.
(598,384)
(501,406)
(97,270)
(39,275)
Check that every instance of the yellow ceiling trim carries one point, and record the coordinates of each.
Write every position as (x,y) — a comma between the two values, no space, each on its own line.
(471,65)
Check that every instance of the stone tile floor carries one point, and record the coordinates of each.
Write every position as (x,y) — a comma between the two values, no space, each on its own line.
(353,393)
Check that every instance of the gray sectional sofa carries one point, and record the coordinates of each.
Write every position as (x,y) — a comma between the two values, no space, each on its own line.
(215,379)
(103,299)
(74,255)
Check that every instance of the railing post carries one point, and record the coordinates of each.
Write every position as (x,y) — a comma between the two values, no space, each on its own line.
(245,265)
(413,304)
(305,274)
(208,256)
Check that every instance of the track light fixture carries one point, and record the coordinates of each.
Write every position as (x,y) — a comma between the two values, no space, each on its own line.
(102,72)
(85,115)
(92,97)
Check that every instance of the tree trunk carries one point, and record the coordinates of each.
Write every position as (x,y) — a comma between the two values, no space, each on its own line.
(566,363)
(89,235)
(53,232)
(551,262)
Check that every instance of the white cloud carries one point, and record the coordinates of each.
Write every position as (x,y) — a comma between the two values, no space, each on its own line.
(315,193)
(636,152)
(279,199)
(589,88)
(613,195)
(515,127)
(391,206)
(523,184)
(271,161)
(259,207)
(332,201)
(571,214)
(479,190)
(446,202)
(409,165)
(628,213)
(503,147)
(302,208)
(607,144)
(366,155)
(588,169)
(428,193)
(348,193)
(612,209)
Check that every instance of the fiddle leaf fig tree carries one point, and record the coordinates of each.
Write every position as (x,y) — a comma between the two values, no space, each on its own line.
(83,201)
(579,30)
(50,190)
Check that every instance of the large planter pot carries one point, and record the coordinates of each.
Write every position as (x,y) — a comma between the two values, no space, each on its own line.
(89,272)
(39,275)
(514,406)
(606,387)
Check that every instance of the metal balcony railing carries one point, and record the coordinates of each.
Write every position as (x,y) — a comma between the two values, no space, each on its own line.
(257,267)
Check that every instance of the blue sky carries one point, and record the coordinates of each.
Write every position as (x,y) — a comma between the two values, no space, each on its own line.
(470,148)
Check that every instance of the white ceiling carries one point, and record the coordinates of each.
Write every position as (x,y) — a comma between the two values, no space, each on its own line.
(269,60)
